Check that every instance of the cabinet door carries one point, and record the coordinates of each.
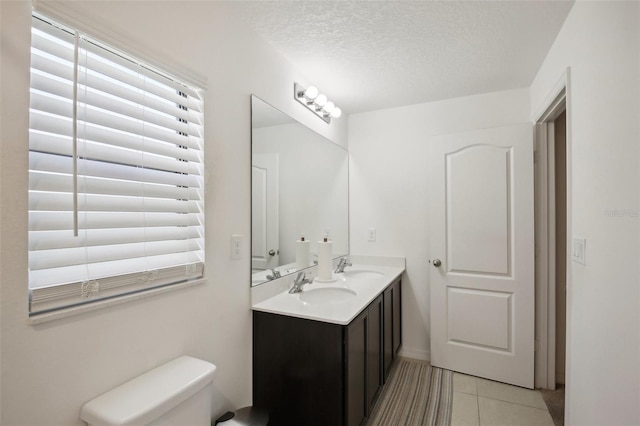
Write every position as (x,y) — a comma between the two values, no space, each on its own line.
(397,316)
(387,336)
(374,352)
(298,370)
(356,343)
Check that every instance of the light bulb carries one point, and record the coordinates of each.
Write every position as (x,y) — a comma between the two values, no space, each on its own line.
(328,107)
(321,100)
(311,92)
(336,113)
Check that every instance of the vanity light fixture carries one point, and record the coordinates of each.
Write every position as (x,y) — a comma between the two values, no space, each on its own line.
(316,102)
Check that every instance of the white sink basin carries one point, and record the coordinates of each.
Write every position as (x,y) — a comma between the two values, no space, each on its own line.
(362,274)
(323,295)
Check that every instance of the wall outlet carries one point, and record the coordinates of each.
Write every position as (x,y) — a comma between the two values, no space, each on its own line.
(236,246)
(371,233)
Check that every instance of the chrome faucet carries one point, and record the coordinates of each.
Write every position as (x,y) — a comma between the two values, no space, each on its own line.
(299,282)
(342,264)
(276,274)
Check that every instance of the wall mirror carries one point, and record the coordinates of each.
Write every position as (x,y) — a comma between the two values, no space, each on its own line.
(299,187)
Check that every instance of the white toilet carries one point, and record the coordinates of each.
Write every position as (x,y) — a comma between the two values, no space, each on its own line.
(179,392)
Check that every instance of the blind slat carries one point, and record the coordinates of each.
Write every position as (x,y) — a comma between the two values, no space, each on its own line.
(56,109)
(98,152)
(48,75)
(58,182)
(100,84)
(51,221)
(120,68)
(53,96)
(61,68)
(48,201)
(63,164)
(48,240)
(61,126)
(57,258)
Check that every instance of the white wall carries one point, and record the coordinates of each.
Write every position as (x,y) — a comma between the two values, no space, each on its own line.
(600,41)
(389,186)
(50,370)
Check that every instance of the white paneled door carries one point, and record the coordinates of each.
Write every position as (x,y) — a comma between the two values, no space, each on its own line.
(265,239)
(482,254)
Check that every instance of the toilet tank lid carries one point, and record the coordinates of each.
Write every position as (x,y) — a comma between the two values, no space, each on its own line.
(149,396)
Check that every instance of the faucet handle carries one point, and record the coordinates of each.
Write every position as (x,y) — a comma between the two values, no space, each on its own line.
(275,274)
(342,264)
(298,282)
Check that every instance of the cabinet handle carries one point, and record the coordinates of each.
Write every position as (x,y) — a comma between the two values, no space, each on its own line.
(437,263)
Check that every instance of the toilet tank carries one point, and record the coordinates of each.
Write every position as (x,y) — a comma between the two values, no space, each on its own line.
(179,392)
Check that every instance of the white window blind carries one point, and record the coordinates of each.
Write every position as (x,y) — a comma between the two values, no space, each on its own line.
(115,173)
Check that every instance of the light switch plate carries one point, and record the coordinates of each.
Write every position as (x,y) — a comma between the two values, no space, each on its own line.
(579,250)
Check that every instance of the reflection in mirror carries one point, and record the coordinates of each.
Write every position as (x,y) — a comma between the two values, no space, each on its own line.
(299,188)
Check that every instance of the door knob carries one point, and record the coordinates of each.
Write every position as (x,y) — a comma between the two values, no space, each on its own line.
(272,252)
(437,263)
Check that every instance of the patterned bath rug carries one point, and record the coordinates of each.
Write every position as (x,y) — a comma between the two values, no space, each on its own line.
(416,394)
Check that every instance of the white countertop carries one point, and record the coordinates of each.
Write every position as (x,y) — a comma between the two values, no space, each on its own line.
(342,311)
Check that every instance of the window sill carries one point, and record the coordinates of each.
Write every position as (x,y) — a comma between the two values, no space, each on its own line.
(77,310)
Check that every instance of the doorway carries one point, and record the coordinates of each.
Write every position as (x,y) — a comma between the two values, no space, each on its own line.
(552,230)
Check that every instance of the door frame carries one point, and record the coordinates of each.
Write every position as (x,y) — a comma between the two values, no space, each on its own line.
(558,100)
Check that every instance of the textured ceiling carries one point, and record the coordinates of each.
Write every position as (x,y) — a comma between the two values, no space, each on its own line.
(368,55)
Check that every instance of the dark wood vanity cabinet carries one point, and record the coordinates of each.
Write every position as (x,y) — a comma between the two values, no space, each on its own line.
(392,325)
(356,370)
(364,362)
(315,373)
(375,339)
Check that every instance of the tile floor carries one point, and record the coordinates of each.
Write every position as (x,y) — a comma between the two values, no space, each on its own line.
(480,402)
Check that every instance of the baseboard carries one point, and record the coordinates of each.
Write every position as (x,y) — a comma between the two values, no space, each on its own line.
(419,354)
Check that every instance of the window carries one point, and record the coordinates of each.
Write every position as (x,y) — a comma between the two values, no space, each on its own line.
(116,199)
